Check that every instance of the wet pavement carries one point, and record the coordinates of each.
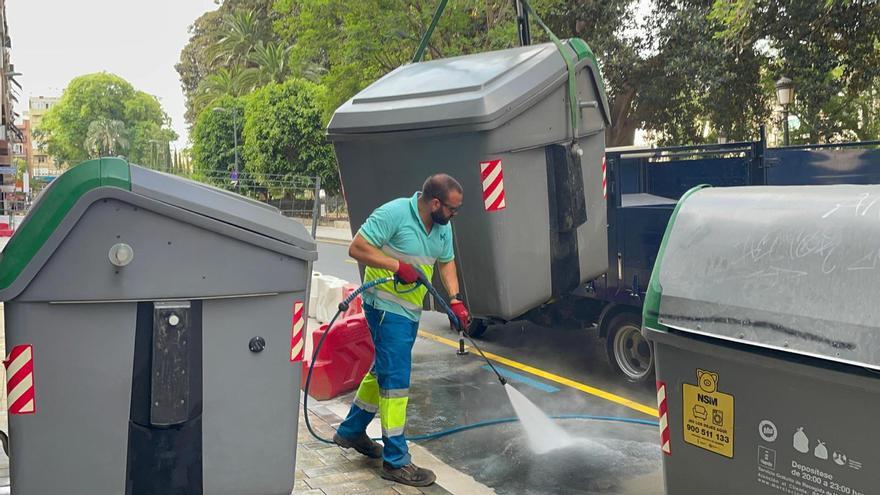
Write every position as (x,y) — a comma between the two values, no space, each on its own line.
(449,390)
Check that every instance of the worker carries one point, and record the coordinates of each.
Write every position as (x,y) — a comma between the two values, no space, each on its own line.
(400,237)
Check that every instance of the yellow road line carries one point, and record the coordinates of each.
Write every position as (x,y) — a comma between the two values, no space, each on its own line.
(349,260)
(623,401)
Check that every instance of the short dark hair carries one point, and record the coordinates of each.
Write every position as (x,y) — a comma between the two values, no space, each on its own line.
(438,186)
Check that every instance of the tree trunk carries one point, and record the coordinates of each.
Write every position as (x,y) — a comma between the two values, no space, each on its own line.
(623,128)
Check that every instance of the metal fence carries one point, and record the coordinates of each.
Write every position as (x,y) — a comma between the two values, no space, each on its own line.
(294,196)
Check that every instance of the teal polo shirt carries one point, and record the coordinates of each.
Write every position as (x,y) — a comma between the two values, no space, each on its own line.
(397,230)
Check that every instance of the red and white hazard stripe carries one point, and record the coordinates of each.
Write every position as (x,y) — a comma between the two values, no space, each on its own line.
(604,178)
(664,420)
(492,176)
(297,339)
(20,380)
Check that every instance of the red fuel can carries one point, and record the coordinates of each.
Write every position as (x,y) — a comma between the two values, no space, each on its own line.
(345,358)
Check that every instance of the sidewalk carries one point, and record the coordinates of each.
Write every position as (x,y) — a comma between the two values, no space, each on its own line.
(333,234)
(329,470)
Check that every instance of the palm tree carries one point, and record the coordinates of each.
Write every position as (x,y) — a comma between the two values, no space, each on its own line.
(271,62)
(106,137)
(240,33)
(233,82)
(313,72)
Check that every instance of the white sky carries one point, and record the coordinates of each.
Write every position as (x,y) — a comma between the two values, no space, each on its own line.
(54,41)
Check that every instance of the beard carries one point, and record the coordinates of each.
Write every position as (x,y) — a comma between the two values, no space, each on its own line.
(438,218)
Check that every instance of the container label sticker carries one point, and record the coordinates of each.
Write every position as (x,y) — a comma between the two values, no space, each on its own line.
(802,459)
(708,415)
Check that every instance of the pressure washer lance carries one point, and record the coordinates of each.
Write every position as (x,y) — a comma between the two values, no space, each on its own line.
(459,325)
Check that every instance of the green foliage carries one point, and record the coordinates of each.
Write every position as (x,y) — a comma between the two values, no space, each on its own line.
(102,97)
(284,135)
(358,42)
(223,82)
(106,137)
(239,32)
(270,62)
(195,64)
(222,40)
(830,49)
(695,82)
(688,71)
(213,154)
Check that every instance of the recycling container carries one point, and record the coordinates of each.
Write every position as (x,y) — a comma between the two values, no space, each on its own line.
(151,323)
(763,311)
(533,223)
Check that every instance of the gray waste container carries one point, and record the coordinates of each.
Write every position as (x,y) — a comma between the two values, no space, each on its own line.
(150,329)
(763,312)
(533,224)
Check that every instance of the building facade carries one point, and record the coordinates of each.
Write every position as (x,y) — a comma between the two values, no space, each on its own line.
(43,165)
(9,133)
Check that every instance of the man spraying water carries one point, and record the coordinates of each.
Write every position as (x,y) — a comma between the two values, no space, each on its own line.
(400,237)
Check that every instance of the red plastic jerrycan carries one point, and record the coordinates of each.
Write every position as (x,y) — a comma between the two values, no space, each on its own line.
(345,358)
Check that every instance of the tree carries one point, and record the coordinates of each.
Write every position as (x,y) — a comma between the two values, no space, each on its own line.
(271,63)
(93,97)
(239,33)
(284,134)
(224,82)
(201,55)
(106,137)
(212,150)
(195,64)
(356,43)
(830,49)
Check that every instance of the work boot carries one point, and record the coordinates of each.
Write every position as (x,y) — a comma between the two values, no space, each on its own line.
(410,474)
(362,444)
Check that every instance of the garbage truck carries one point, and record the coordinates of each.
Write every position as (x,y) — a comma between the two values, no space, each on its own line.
(554,228)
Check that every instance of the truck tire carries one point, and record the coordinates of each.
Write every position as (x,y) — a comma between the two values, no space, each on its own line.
(478,328)
(627,349)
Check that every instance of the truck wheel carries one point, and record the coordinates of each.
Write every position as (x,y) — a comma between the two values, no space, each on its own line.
(478,328)
(627,349)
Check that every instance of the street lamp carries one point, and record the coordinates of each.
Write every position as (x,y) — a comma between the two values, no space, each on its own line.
(785,95)
(235,142)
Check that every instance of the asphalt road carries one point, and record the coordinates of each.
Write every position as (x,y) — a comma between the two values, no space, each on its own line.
(561,371)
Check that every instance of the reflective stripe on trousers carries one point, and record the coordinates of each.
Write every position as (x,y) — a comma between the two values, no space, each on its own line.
(386,387)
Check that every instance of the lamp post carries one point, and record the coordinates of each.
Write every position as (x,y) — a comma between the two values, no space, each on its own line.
(235,143)
(785,95)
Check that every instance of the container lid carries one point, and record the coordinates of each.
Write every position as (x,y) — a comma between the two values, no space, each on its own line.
(470,89)
(793,268)
(58,199)
(221,205)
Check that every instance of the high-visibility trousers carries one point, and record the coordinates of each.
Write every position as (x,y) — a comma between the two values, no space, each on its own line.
(385,389)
